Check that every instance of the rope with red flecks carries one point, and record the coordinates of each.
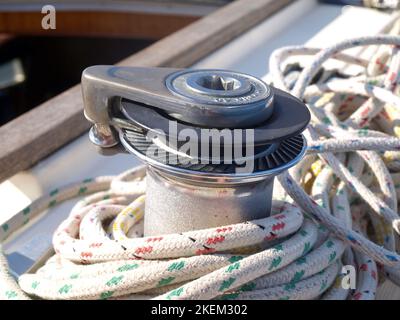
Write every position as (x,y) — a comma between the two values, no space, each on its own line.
(101,253)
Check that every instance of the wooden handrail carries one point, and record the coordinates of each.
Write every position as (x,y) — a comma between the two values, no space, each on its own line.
(39,132)
(96,24)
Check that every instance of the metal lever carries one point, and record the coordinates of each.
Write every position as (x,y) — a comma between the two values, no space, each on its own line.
(104,86)
(210,98)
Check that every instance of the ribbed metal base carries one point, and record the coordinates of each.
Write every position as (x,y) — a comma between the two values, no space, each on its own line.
(282,155)
(180,199)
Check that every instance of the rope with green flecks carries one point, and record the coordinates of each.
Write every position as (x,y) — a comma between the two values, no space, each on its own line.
(123,271)
(346,188)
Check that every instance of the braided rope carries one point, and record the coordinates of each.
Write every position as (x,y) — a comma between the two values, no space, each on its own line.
(346,187)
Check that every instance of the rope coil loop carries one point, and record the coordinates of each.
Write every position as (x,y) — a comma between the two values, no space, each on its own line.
(337,208)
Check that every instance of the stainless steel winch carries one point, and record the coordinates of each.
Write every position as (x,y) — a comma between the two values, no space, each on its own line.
(213,140)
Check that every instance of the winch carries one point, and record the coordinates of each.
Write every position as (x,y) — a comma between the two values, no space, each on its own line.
(213,140)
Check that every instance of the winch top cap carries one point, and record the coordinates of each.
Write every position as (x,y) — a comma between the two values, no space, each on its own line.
(150,98)
(227,98)
(218,87)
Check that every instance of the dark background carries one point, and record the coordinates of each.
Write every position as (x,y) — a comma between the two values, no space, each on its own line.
(54,64)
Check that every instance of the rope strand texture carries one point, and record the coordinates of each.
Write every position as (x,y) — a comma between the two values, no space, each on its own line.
(346,188)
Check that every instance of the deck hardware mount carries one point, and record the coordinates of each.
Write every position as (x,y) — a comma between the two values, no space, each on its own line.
(145,111)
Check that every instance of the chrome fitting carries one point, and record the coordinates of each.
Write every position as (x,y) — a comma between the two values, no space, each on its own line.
(192,128)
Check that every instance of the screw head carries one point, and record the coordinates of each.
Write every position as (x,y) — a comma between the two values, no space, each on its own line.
(102,136)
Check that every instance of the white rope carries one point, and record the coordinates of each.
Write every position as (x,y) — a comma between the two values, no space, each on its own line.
(346,187)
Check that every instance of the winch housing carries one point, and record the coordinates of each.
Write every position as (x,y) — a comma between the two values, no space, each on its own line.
(213,140)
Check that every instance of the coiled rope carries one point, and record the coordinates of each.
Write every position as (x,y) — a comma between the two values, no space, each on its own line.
(336,207)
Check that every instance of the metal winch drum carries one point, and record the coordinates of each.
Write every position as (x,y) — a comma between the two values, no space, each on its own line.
(213,140)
